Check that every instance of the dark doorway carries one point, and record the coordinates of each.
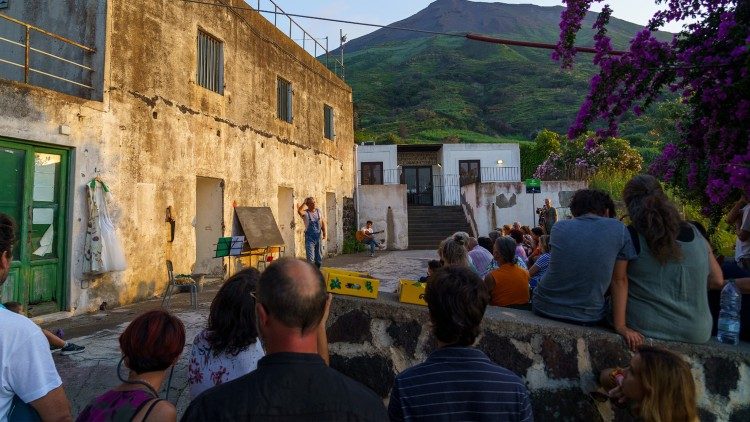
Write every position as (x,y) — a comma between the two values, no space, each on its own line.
(418,182)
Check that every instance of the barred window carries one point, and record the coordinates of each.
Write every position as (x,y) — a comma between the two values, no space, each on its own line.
(284,100)
(329,131)
(210,63)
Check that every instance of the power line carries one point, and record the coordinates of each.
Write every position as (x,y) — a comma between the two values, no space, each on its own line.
(474,37)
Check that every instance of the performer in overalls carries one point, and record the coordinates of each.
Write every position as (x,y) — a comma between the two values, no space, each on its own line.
(315,231)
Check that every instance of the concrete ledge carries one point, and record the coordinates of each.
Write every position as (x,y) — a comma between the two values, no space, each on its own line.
(373,340)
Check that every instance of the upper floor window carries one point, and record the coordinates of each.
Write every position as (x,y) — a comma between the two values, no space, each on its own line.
(371,173)
(284,100)
(329,132)
(210,63)
(469,172)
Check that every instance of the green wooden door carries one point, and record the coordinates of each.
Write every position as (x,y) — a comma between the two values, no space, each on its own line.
(33,182)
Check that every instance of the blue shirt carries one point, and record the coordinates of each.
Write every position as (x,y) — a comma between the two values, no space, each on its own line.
(459,383)
(583,252)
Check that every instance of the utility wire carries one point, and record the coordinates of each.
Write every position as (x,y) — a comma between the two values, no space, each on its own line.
(474,37)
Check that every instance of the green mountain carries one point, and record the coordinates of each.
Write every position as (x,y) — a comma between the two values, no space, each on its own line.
(416,87)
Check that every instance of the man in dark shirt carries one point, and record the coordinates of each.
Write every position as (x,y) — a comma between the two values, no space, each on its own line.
(458,382)
(292,382)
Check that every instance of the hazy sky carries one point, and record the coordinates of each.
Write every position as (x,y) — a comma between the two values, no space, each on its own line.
(388,11)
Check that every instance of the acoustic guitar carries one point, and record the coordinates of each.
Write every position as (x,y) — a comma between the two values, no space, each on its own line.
(361,236)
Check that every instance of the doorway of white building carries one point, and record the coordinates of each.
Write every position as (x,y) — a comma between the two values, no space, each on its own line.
(209,225)
(331,224)
(286,218)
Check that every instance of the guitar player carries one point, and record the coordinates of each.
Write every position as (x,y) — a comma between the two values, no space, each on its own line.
(369,239)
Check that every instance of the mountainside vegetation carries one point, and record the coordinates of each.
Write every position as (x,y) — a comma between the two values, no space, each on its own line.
(416,88)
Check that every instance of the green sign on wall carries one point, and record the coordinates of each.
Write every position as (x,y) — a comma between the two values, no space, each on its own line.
(533,185)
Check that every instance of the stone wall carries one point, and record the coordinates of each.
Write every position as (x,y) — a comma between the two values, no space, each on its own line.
(373,340)
(157,130)
(385,206)
(493,204)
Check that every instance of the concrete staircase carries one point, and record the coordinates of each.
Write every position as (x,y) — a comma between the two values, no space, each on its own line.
(428,226)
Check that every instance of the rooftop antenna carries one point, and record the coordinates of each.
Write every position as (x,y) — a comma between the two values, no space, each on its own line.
(342,38)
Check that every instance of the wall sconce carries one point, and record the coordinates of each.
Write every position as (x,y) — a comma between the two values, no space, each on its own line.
(440,165)
(499,162)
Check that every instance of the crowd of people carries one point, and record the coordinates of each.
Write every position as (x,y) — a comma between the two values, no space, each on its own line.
(264,352)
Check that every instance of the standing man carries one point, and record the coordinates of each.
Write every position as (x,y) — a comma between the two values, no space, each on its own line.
(739,218)
(27,371)
(292,382)
(550,215)
(457,381)
(315,231)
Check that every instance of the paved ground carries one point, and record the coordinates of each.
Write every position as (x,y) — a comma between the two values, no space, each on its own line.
(92,372)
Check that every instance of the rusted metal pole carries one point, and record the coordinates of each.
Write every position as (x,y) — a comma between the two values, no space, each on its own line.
(47,33)
(28,52)
(484,38)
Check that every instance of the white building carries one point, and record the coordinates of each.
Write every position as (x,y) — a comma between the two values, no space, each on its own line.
(434,173)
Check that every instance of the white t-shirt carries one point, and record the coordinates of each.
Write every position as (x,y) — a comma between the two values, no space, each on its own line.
(366,231)
(742,249)
(26,365)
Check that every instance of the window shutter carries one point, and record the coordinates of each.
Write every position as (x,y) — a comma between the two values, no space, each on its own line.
(290,116)
(333,127)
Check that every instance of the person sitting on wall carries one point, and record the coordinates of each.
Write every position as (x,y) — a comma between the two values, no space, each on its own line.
(315,231)
(457,381)
(667,286)
(537,270)
(587,254)
(366,234)
(508,284)
(517,235)
(292,381)
(536,233)
(432,266)
(55,342)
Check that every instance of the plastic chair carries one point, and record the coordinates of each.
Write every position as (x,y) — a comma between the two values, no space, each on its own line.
(172,285)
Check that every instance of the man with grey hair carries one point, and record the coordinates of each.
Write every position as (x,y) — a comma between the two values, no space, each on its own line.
(292,381)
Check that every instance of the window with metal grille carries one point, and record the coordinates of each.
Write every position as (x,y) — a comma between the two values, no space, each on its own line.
(372,173)
(284,100)
(210,63)
(329,131)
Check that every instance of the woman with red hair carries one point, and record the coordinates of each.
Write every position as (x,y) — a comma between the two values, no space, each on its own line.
(150,346)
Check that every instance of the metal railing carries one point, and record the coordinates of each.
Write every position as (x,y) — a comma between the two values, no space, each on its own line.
(28,49)
(308,42)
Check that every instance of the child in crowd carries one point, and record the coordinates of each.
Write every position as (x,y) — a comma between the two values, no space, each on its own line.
(55,342)
(658,386)
(432,266)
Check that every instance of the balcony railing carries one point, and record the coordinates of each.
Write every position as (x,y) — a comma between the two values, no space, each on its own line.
(29,49)
(284,22)
(487,174)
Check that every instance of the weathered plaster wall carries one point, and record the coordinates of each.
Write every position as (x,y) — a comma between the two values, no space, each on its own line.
(385,206)
(373,340)
(491,205)
(157,130)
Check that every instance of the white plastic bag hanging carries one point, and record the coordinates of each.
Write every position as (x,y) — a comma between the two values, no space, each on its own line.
(103,251)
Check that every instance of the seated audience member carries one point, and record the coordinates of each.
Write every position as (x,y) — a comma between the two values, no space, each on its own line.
(369,239)
(667,288)
(493,235)
(432,266)
(658,386)
(55,342)
(508,284)
(506,230)
(292,381)
(528,241)
(453,252)
(479,256)
(739,219)
(536,233)
(229,347)
(457,381)
(587,254)
(537,270)
(27,371)
(517,235)
(486,243)
(150,345)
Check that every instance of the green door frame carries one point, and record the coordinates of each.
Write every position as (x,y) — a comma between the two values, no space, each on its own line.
(61,237)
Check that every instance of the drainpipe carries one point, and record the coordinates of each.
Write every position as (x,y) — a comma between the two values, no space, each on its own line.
(356,189)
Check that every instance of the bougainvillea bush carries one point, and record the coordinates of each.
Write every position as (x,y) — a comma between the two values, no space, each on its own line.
(585,156)
(707,63)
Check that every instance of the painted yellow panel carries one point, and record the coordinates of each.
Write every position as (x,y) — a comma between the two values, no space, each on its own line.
(411,291)
(352,285)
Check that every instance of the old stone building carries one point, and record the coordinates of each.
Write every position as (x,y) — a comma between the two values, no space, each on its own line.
(171,104)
